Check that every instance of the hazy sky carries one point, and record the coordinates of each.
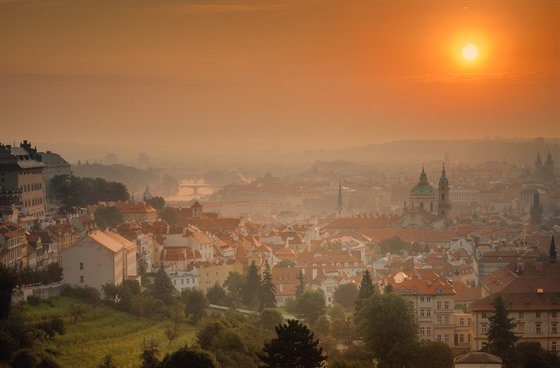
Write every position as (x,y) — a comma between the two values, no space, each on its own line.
(242,75)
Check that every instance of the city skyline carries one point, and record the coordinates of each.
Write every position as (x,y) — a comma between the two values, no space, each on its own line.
(249,76)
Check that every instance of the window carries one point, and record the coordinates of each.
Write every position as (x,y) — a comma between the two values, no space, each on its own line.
(81,279)
(446,320)
(538,327)
(446,305)
(428,298)
(554,328)
(461,338)
(446,339)
(461,321)
(520,314)
(484,315)
(553,346)
(428,312)
(554,314)
(438,305)
(439,320)
(537,314)
(422,299)
(422,312)
(81,265)
(438,338)
(428,330)
(484,328)
(422,331)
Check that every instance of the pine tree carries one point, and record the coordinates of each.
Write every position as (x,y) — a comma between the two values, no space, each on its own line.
(366,291)
(301,286)
(250,296)
(552,251)
(501,336)
(293,348)
(163,288)
(267,290)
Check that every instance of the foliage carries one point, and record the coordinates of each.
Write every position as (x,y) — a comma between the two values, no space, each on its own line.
(286,263)
(157,202)
(388,289)
(51,273)
(76,312)
(108,362)
(250,294)
(310,305)
(356,356)
(186,357)
(293,348)
(385,322)
(87,293)
(433,354)
(393,245)
(163,288)
(108,217)
(74,192)
(365,292)
(235,284)
(150,354)
(532,355)
(346,295)
(322,326)
(267,291)
(269,318)
(195,304)
(25,358)
(209,330)
(501,336)
(8,282)
(169,215)
(14,334)
(300,288)
(52,327)
(217,295)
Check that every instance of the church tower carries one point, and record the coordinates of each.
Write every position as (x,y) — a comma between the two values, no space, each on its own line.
(339,206)
(444,204)
(536,209)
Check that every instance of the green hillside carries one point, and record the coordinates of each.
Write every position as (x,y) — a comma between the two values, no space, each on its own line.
(102,331)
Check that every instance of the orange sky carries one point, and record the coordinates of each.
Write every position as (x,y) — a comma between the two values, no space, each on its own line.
(238,75)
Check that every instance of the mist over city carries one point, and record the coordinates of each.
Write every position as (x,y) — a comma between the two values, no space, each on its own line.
(336,184)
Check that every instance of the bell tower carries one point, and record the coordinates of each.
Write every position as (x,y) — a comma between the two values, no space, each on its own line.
(444,203)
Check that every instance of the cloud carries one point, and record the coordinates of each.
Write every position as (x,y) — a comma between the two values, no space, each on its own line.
(514,77)
(217,7)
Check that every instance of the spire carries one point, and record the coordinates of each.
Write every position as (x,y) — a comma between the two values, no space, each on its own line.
(423,177)
(340,206)
(552,250)
(443,182)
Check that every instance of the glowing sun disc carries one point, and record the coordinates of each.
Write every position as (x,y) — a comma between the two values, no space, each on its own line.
(470,52)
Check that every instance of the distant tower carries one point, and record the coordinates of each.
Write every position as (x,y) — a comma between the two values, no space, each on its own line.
(444,204)
(536,209)
(339,206)
(552,250)
(538,164)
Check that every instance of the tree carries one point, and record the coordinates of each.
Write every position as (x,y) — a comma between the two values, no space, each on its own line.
(286,263)
(150,354)
(186,357)
(270,318)
(293,348)
(346,295)
(169,215)
(108,217)
(267,294)
(387,321)
(217,295)
(365,292)
(8,282)
(301,286)
(501,338)
(434,354)
(250,296)
(310,305)
(235,283)
(163,288)
(195,304)
(157,202)
(108,362)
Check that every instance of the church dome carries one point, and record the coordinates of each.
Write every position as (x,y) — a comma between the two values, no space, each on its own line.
(423,190)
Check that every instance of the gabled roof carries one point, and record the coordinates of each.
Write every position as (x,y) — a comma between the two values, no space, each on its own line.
(108,242)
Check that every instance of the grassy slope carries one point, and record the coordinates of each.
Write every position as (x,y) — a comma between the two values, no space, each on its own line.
(102,331)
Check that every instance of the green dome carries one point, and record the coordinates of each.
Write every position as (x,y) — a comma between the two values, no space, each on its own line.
(423,190)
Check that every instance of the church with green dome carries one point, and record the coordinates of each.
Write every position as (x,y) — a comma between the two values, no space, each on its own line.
(427,204)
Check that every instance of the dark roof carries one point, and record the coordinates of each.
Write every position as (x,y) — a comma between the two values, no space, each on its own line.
(478,357)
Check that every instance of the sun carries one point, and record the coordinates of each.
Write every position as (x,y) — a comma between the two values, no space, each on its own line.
(470,52)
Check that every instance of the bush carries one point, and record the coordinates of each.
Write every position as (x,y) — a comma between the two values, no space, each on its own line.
(33,300)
